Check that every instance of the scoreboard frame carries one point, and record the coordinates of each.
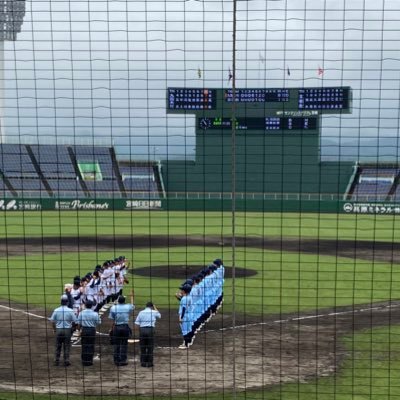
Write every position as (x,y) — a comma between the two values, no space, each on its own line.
(325,100)
(265,111)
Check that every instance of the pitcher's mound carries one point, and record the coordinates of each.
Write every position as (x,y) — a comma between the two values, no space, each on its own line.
(186,271)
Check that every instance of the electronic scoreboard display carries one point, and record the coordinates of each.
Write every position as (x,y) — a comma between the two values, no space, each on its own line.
(324,98)
(192,99)
(259,123)
(257,95)
(259,110)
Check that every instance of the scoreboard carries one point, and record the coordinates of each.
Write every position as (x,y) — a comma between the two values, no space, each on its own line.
(267,123)
(192,99)
(259,110)
(323,99)
(257,95)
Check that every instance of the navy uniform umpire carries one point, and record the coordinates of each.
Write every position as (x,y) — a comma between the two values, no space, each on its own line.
(146,320)
(87,322)
(120,314)
(63,320)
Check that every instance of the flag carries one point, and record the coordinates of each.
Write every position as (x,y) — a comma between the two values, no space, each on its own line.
(288,71)
(320,71)
(230,75)
(199,73)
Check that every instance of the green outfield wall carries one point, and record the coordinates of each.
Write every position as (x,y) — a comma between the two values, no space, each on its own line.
(200,204)
(295,168)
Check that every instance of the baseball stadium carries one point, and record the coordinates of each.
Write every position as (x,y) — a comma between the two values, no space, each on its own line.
(269,268)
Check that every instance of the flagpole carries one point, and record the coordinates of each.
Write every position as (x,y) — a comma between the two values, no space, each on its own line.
(233,209)
(261,61)
(320,72)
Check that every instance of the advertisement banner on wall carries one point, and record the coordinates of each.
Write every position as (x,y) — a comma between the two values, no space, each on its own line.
(37,204)
(82,205)
(371,208)
(143,205)
(78,204)
(20,205)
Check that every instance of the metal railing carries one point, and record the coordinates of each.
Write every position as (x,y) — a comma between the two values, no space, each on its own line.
(206,196)
(253,196)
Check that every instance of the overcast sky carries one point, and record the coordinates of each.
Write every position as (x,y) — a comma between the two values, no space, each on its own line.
(97,71)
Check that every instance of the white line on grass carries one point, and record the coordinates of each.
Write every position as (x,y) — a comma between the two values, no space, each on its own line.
(315,316)
(42,317)
(23,312)
(278,321)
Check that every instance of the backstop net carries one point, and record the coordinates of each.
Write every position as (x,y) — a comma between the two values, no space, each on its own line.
(199,199)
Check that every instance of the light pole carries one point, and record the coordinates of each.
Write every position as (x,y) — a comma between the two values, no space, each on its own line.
(12,14)
(155,149)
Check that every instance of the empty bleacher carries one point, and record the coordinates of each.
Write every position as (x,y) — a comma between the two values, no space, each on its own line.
(374,183)
(54,161)
(15,161)
(71,171)
(396,194)
(96,155)
(104,180)
(57,170)
(139,179)
(4,192)
(30,185)
(66,188)
(104,188)
(369,191)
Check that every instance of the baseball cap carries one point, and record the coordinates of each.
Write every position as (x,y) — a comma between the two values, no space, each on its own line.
(121,299)
(89,304)
(186,288)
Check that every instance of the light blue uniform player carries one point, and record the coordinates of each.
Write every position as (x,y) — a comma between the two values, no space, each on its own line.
(208,286)
(221,280)
(196,310)
(185,315)
(200,301)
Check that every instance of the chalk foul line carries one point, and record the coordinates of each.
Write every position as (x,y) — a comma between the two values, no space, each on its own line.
(314,316)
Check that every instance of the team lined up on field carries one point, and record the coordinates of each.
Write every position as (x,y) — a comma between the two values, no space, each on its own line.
(200,297)
(101,287)
(89,297)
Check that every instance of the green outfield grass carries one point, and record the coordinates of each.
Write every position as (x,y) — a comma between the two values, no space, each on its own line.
(73,223)
(285,282)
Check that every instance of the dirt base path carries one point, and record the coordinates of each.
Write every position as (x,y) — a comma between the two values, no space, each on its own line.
(366,250)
